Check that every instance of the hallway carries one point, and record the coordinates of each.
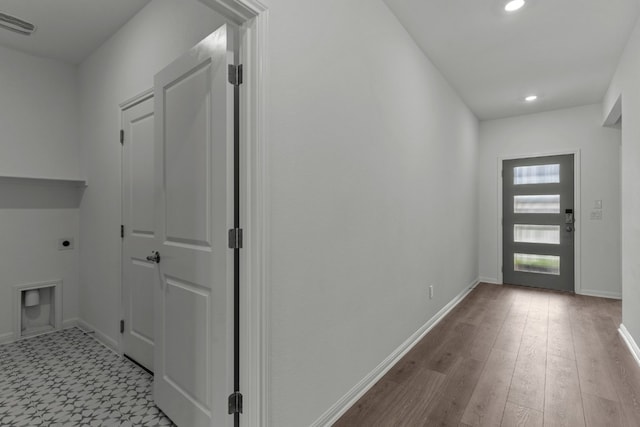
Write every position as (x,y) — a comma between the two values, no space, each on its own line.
(510,356)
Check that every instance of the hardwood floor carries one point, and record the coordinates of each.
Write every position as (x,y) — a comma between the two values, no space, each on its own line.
(512,356)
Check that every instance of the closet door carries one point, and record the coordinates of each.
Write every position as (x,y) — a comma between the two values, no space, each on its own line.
(138,233)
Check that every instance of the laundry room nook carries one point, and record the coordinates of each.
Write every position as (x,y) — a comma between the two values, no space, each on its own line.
(73,193)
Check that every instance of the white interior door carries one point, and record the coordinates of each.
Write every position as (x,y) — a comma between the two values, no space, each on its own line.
(138,205)
(193,311)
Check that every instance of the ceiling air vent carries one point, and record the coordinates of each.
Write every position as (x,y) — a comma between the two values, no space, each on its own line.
(16,25)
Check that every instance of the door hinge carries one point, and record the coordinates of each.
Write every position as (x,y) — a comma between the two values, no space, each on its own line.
(122,231)
(235,403)
(235,74)
(235,238)
(122,326)
(122,136)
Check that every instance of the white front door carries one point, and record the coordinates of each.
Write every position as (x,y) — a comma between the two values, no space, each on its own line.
(193,295)
(138,205)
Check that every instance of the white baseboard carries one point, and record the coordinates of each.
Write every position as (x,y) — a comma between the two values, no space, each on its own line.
(70,323)
(104,339)
(631,343)
(348,400)
(601,294)
(491,280)
(9,337)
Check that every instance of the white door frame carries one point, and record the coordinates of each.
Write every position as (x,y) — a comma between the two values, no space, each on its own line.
(251,17)
(576,208)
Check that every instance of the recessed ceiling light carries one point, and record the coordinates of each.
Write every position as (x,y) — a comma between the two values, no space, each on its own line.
(514,5)
(531,98)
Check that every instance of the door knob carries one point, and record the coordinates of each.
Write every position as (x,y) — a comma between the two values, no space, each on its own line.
(154,257)
(569,228)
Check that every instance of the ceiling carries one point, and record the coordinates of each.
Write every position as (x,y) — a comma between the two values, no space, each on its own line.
(565,51)
(68,30)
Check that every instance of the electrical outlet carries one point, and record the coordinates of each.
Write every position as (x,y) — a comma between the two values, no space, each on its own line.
(65,244)
(431,292)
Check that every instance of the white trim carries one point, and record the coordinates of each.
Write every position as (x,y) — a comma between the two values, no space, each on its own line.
(614,114)
(70,323)
(348,400)
(577,208)
(137,99)
(600,294)
(7,337)
(252,18)
(255,305)
(631,343)
(238,11)
(100,336)
(491,280)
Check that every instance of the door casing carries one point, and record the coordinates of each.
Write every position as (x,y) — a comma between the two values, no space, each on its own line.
(576,203)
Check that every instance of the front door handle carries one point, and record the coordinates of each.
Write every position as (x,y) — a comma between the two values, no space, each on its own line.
(154,257)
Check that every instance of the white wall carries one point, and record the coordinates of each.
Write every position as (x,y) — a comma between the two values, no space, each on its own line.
(373,197)
(121,68)
(29,254)
(39,137)
(554,132)
(626,82)
(38,116)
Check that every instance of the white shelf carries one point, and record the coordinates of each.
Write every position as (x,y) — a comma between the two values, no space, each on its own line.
(38,180)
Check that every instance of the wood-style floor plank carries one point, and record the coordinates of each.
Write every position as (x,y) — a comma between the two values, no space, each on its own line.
(528,382)
(371,406)
(600,412)
(462,380)
(447,408)
(520,416)
(563,402)
(443,358)
(489,398)
(442,412)
(483,340)
(559,336)
(624,374)
(510,334)
(411,400)
(511,356)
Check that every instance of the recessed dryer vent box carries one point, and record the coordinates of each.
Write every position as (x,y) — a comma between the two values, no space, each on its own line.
(39,312)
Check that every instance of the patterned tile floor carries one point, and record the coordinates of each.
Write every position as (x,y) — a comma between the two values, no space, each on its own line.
(67,378)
